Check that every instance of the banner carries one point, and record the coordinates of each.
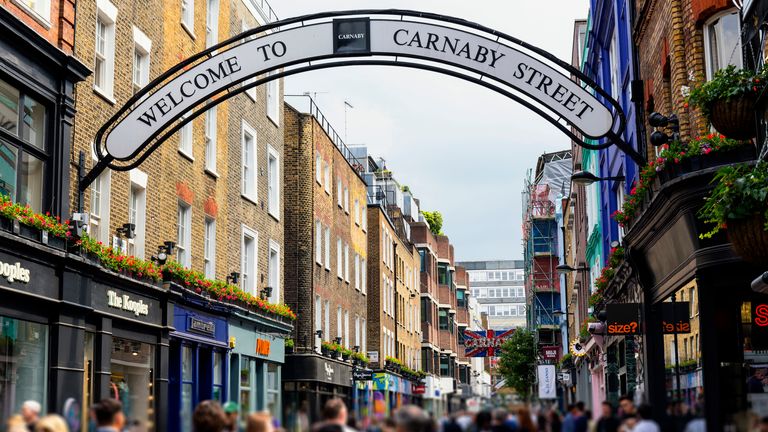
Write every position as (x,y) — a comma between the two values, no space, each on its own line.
(547,382)
(485,343)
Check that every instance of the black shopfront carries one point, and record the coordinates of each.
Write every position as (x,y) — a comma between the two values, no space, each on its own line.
(309,380)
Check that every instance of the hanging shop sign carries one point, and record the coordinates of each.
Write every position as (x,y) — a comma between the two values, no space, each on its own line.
(485,343)
(547,381)
(419,389)
(550,353)
(676,317)
(622,318)
(263,347)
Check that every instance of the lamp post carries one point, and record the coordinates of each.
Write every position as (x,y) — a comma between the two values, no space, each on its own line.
(586,178)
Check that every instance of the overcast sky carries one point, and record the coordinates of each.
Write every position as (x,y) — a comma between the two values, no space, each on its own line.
(463,149)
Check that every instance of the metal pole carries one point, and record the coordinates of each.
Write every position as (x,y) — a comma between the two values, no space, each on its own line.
(677,358)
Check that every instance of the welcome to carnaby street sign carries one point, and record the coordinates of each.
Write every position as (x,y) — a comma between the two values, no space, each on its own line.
(437,43)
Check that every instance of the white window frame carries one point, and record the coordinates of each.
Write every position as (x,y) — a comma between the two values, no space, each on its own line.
(346,328)
(346,200)
(250,176)
(188,16)
(40,11)
(327,177)
(328,317)
(274,274)
(339,194)
(184,239)
(318,242)
(707,29)
(102,185)
(346,262)
(319,169)
(327,248)
(273,182)
(339,322)
(319,315)
(211,23)
(211,138)
(247,232)
(364,344)
(106,13)
(357,272)
(614,64)
(186,139)
(209,247)
(339,258)
(365,217)
(357,212)
(142,48)
(273,99)
(364,272)
(139,183)
(251,92)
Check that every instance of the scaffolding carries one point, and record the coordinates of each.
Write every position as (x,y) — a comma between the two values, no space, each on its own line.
(542,187)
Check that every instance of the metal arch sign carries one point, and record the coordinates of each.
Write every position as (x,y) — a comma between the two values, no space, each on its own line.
(448,45)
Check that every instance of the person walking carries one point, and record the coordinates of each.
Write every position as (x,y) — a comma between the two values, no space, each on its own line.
(645,423)
(411,418)
(525,421)
(209,416)
(108,414)
(30,412)
(232,412)
(580,421)
(335,416)
(51,423)
(259,422)
(608,421)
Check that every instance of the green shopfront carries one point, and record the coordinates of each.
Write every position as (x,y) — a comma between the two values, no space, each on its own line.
(256,359)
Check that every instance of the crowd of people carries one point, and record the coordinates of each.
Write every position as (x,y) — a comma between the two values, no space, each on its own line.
(210,416)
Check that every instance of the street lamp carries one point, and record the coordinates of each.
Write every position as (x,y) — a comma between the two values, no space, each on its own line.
(565,269)
(586,178)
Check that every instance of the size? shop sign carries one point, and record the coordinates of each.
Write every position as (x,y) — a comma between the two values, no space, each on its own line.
(124,302)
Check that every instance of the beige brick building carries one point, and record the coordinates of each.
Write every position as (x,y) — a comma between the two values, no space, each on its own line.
(392,300)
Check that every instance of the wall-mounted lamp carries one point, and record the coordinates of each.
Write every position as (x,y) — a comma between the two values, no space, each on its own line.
(658,120)
(565,269)
(337,340)
(586,178)
(128,230)
(356,348)
(266,292)
(319,334)
(233,278)
(163,252)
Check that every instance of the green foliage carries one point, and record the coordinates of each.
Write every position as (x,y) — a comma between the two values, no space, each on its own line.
(518,362)
(289,343)
(740,192)
(566,360)
(405,188)
(435,221)
(728,83)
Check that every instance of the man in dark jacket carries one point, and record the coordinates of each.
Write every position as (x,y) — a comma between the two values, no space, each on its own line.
(608,421)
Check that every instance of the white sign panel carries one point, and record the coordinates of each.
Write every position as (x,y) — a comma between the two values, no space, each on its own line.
(551,88)
(547,381)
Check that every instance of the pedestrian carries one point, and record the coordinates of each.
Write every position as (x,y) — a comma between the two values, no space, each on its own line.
(411,418)
(209,416)
(627,415)
(483,421)
(302,418)
(608,421)
(525,421)
(30,412)
(763,425)
(232,411)
(108,414)
(555,420)
(51,423)
(569,423)
(645,423)
(501,421)
(15,423)
(259,422)
(335,416)
(755,382)
(580,421)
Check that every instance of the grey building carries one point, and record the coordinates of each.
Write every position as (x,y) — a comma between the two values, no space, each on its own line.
(499,287)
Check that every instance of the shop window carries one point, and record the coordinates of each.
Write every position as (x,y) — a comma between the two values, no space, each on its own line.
(248,139)
(132,381)
(210,139)
(209,248)
(274,271)
(273,388)
(273,176)
(104,60)
(218,373)
(247,375)
(722,42)
(187,387)
(211,23)
(183,234)
(22,149)
(23,364)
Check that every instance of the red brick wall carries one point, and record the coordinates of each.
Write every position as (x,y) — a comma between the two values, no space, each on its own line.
(60,31)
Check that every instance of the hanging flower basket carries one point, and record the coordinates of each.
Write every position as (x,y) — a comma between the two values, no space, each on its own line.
(749,238)
(735,118)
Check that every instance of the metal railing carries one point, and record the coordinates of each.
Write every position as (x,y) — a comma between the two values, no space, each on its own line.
(266,11)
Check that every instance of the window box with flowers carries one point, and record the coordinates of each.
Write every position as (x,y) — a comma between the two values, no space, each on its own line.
(728,100)
(113,259)
(22,220)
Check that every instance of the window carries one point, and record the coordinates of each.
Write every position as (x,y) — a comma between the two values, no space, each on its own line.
(251,92)
(357,330)
(364,282)
(346,200)
(142,46)
(364,344)
(328,318)
(327,248)
(211,23)
(346,328)
(357,212)
(339,194)
(104,61)
(443,319)
(273,99)
(99,219)
(40,9)
(423,260)
(185,138)
(188,16)
(615,65)
(339,322)
(319,316)
(248,139)
(274,271)
(346,262)
(327,175)
(442,274)
(248,273)
(339,257)
(365,217)
(23,364)
(273,177)
(619,202)
(722,42)
(357,272)
(210,139)
(137,212)
(183,234)
(319,170)
(318,242)
(209,248)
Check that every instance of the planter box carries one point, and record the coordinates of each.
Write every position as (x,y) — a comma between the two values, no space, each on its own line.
(53,241)
(6,224)
(30,233)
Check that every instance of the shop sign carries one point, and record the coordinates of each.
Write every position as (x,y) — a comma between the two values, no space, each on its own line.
(675,317)
(373,356)
(202,326)
(362,375)
(328,369)
(550,352)
(262,347)
(547,382)
(419,389)
(623,318)
(14,272)
(124,302)
(485,343)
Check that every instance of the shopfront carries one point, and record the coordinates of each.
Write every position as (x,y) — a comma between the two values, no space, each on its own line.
(363,396)
(256,364)
(198,361)
(310,380)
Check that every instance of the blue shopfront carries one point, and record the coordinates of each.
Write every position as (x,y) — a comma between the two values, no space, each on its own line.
(198,363)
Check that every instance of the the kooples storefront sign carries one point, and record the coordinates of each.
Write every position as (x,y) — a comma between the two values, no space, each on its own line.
(488,58)
(126,303)
(13,272)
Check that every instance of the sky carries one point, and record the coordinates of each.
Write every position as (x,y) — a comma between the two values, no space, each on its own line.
(462,149)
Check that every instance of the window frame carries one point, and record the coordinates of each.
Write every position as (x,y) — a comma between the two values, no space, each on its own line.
(273,99)
(211,139)
(211,28)
(187,19)
(706,29)
(209,247)
(184,220)
(248,232)
(142,48)
(106,13)
(327,248)
(318,242)
(274,284)
(251,194)
(273,190)
(138,180)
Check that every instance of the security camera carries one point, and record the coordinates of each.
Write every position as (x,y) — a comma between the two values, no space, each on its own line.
(596,327)
(760,284)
